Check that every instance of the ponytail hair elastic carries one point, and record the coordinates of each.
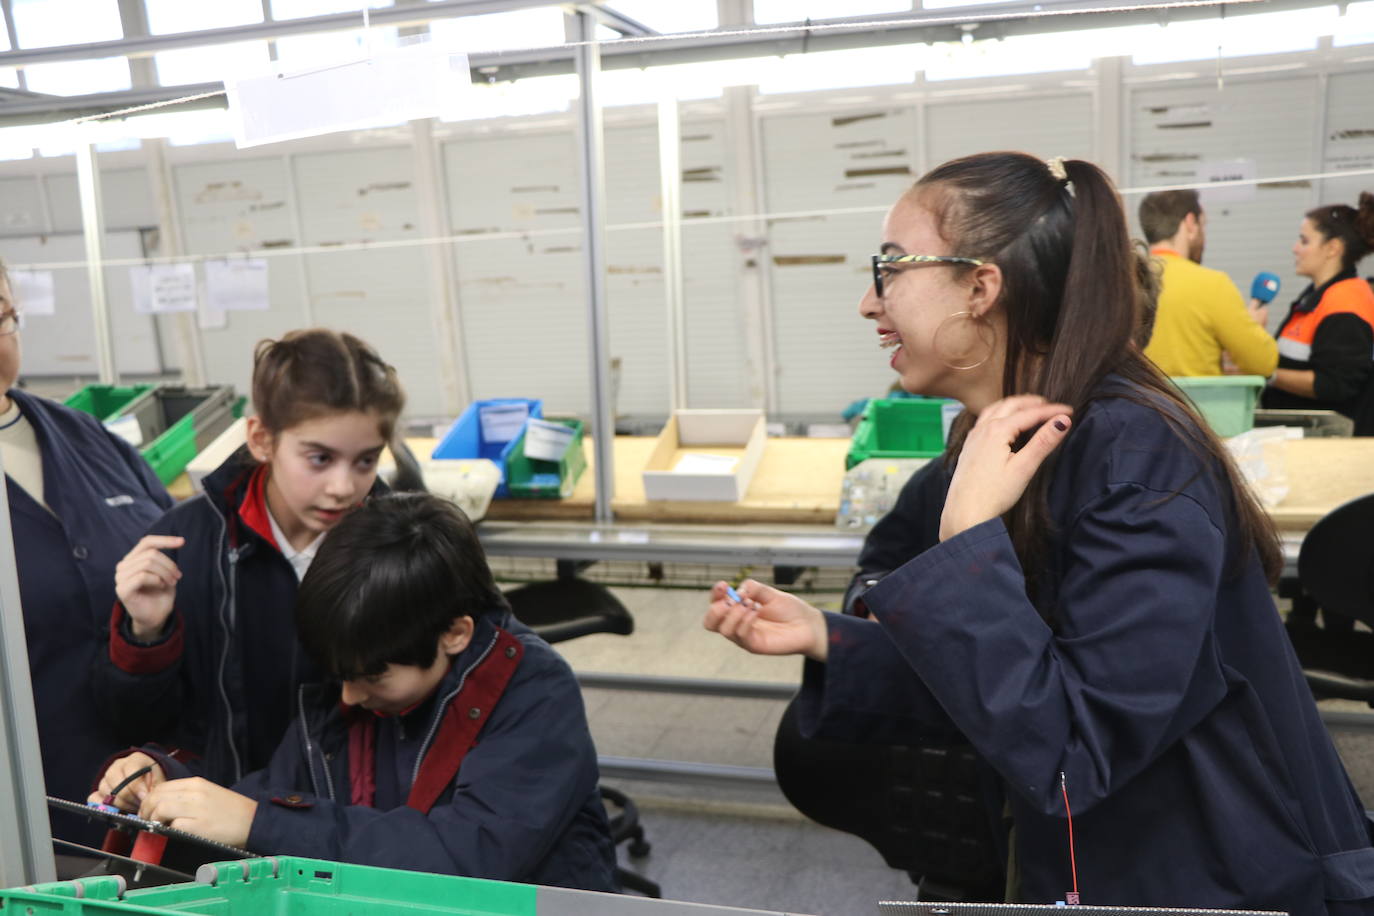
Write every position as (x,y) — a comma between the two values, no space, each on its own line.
(1060,173)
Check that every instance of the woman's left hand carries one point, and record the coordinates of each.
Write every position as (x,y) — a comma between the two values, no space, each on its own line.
(990,477)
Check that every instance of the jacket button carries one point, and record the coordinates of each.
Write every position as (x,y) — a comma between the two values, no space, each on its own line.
(293,799)
(474,712)
(510,651)
(80,552)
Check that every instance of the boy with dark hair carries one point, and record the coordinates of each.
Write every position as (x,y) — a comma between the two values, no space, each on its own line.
(454,740)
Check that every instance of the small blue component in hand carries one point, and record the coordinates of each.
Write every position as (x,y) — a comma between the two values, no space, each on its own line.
(734,595)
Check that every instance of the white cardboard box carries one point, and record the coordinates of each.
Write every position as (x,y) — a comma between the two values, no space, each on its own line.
(705,455)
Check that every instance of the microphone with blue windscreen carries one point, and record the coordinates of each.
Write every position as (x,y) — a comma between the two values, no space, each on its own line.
(1265,287)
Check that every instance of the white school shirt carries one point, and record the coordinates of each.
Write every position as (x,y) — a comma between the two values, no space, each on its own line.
(299,559)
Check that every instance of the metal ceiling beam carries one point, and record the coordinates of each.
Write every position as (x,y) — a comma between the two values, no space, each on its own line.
(257,31)
(933,26)
(614,19)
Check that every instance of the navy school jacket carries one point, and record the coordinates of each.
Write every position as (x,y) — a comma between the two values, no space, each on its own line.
(221,684)
(1166,691)
(103,495)
(349,786)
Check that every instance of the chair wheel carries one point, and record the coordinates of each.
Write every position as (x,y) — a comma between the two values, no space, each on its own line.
(639,848)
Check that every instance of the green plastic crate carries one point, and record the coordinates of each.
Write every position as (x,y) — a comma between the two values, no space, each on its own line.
(105,402)
(282,886)
(181,421)
(1226,402)
(531,478)
(899,428)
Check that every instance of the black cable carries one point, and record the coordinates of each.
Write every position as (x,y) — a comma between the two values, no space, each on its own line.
(114,793)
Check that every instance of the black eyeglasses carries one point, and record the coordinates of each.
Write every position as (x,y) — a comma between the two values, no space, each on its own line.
(880,262)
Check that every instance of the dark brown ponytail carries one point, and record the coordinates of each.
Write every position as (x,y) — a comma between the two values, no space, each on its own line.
(1354,227)
(1074,298)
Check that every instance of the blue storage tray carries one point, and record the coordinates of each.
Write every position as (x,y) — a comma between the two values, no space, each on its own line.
(465,438)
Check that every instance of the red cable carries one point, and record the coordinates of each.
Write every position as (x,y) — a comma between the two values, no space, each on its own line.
(1073,863)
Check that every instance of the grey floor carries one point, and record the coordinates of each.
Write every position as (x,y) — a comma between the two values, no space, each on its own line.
(743,847)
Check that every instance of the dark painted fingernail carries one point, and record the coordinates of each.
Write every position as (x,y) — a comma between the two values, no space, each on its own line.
(1060,425)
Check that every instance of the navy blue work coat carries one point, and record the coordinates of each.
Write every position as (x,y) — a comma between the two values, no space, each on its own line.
(221,683)
(103,495)
(1165,691)
(524,805)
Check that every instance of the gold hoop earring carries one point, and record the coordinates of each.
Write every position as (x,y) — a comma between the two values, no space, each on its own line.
(982,328)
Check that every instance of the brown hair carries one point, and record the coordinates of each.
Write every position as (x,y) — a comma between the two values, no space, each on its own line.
(1073,298)
(314,372)
(1162,212)
(1354,227)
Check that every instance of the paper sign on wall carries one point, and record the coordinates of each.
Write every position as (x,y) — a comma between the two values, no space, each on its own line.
(401,84)
(1227,170)
(33,291)
(238,284)
(159,288)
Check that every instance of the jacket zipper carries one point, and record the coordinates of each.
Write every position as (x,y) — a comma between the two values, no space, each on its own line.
(310,748)
(443,707)
(229,589)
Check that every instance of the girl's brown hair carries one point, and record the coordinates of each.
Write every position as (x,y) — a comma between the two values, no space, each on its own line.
(1072,293)
(315,372)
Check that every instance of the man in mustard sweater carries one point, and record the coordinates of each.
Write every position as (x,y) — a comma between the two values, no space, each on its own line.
(1201,312)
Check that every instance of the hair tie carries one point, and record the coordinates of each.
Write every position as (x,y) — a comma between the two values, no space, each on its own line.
(1060,173)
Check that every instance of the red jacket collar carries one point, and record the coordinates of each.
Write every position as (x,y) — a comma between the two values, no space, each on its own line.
(253,509)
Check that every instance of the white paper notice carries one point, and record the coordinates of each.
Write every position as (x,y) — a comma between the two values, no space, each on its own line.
(502,422)
(161,288)
(33,291)
(401,84)
(1227,170)
(700,463)
(236,284)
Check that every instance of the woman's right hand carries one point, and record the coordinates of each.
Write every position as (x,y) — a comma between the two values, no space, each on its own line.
(146,583)
(767,621)
(132,795)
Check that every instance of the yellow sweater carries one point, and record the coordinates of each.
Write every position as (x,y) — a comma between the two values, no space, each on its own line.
(1201,313)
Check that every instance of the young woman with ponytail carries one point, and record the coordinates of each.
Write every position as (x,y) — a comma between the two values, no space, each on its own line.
(1326,344)
(1091,611)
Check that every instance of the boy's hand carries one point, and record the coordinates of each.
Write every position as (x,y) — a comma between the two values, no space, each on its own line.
(199,806)
(146,583)
(131,796)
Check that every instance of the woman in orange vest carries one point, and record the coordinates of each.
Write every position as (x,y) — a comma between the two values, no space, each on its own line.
(1326,344)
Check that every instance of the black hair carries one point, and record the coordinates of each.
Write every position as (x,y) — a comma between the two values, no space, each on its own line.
(1074,294)
(1354,226)
(388,581)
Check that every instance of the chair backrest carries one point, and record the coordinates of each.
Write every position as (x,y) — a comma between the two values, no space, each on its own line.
(1336,562)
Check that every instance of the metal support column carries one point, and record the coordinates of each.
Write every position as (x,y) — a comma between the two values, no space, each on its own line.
(455,391)
(591,156)
(25,838)
(93,227)
(170,244)
(670,184)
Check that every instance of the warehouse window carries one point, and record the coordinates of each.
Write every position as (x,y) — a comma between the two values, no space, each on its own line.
(769,11)
(539,27)
(1356,27)
(8,75)
(42,24)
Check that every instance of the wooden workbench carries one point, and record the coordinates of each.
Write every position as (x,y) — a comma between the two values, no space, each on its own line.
(798,481)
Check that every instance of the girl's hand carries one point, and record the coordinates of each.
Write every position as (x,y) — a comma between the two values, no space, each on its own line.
(990,477)
(132,795)
(767,621)
(199,806)
(146,583)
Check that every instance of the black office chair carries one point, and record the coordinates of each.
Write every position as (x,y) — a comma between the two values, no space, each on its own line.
(409,478)
(1336,589)
(567,608)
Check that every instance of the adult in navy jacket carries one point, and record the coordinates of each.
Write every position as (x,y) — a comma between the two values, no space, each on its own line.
(456,744)
(94,496)
(1095,620)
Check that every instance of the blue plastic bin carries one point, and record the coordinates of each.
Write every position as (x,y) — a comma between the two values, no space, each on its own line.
(467,438)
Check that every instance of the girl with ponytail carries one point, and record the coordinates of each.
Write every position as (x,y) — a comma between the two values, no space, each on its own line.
(1091,608)
(1326,344)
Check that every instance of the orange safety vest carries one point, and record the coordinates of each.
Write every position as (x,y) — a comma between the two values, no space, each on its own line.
(1353,295)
